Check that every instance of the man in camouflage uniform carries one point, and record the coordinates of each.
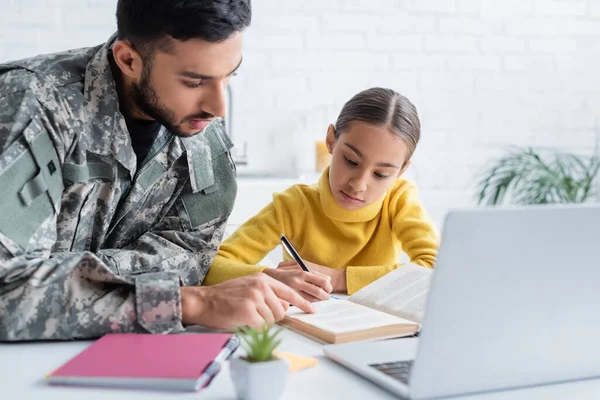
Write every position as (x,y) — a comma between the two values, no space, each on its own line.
(95,238)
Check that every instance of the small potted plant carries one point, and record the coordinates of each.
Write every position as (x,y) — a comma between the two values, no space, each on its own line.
(531,176)
(259,375)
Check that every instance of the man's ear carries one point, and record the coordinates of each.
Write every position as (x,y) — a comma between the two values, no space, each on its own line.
(330,139)
(128,59)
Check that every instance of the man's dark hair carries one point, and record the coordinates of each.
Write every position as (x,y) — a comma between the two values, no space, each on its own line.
(149,23)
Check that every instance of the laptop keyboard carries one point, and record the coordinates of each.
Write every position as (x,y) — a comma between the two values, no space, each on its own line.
(398,370)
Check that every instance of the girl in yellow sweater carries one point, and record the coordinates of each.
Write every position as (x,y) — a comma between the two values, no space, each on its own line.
(352,226)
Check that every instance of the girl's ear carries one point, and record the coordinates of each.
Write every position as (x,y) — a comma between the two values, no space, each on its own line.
(330,139)
(407,164)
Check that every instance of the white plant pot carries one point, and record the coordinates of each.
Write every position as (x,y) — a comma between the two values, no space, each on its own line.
(259,381)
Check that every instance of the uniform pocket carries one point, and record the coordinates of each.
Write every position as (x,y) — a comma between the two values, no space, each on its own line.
(31,183)
(214,202)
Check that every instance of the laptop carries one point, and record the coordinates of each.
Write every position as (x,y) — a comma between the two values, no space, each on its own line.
(514,301)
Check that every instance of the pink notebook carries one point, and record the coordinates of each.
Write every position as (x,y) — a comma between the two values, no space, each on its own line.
(168,362)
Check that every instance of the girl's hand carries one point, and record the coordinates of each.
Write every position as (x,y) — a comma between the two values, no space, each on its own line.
(337,276)
(311,286)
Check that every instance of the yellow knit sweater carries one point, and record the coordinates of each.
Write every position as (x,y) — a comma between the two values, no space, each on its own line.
(368,242)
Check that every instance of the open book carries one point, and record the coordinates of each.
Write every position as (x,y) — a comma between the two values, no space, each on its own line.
(392,306)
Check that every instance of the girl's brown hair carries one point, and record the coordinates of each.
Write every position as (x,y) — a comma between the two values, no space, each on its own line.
(383,107)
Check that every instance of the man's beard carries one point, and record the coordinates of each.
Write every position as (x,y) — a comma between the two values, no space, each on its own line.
(146,100)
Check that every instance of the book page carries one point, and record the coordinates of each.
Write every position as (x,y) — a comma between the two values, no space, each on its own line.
(341,316)
(402,292)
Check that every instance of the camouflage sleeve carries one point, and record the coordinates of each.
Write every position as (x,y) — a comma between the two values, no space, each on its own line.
(171,245)
(75,295)
(66,295)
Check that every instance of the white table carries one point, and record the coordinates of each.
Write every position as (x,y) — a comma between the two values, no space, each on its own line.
(24,365)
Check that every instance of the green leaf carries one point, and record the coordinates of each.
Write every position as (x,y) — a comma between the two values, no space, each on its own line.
(526,176)
(259,344)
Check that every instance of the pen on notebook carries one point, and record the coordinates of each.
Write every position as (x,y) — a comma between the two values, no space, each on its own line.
(294,254)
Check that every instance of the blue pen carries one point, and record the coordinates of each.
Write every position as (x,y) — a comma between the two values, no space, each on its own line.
(294,254)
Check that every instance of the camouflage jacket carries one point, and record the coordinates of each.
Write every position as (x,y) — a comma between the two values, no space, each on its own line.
(88,244)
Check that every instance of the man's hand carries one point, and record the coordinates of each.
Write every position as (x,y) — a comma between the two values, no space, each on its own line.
(311,286)
(337,276)
(253,300)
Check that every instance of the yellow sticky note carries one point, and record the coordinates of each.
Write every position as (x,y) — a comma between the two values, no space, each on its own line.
(297,362)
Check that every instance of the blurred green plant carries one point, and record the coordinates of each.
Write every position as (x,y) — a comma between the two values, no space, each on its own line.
(529,176)
(259,343)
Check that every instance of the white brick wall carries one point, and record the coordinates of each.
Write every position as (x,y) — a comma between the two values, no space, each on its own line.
(483,74)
